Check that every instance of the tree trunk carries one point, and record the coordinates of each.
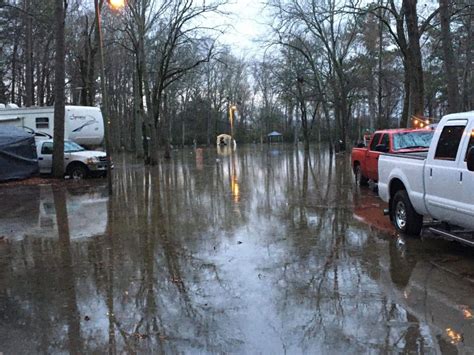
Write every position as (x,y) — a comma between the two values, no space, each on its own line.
(43,74)
(328,127)
(406,99)
(28,54)
(468,77)
(149,119)
(414,52)
(153,145)
(373,119)
(59,76)
(304,115)
(166,136)
(167,131)
(29,91)
(402,42)
(380,119)
(138,124)
(449,60)
(14,68)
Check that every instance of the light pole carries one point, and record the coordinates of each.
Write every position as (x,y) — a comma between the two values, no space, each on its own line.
(115,4)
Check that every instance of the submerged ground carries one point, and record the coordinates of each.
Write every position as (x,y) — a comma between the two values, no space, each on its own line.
(262,251)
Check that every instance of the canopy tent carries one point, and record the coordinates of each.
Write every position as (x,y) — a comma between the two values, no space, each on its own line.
(18,158)
(274,135)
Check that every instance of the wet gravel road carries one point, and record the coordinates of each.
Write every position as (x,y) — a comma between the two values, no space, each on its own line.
(263,251)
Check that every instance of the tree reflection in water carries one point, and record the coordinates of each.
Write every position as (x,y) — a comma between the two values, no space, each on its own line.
(182,260)
(66,275)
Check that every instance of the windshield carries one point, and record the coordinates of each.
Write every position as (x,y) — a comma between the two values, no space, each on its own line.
(411,140)
(72,147)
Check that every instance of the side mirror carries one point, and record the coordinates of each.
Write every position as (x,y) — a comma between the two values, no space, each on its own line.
(360,145)
(381,148)
(470,159)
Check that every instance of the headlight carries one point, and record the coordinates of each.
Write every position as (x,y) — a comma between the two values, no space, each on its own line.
(91,161)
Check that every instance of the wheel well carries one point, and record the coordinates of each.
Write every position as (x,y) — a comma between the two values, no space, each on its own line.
(356,164)
(76,163)
(396,185)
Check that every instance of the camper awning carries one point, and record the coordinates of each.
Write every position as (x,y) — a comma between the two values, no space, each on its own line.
(9,117)
(274,134)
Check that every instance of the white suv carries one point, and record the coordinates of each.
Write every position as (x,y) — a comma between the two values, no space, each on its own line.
(78,162)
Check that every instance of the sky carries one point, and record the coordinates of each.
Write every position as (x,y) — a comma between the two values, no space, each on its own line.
(246,26)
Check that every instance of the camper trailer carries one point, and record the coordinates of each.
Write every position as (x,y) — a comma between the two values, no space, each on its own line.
(83,124)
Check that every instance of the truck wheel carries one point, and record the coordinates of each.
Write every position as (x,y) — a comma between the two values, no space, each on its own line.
(404,216)
(360,179)
(77,171)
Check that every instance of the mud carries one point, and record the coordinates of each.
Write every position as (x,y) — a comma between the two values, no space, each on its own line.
(262,251)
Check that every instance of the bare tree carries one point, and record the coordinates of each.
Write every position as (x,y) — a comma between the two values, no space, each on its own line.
(59,96)
(29,91)
(406,34)
(169,67)
(449,60)
(325,25)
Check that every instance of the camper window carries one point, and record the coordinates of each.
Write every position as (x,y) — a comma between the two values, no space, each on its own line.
(42,122)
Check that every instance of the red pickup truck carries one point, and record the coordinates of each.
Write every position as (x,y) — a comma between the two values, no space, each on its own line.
(402,140)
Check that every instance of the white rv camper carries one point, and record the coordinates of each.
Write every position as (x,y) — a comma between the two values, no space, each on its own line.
(83,124)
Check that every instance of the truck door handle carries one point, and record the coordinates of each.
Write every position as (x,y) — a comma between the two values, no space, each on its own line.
(40,158)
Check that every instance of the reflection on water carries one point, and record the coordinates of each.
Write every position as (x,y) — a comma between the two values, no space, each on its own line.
(30,211)
(260,250)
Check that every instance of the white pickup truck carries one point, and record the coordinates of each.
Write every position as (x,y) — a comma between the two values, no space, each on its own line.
(438,184)
(78,162)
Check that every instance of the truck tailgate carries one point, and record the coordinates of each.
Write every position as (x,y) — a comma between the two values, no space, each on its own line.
(406,168)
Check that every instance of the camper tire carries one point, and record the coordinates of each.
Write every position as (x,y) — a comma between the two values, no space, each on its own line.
(77,171)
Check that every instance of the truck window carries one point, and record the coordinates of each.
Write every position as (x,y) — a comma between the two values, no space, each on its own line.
(470,145)
(448,143)
(414,139)
(47,148)
(385,140)
(375,141)
(42,122)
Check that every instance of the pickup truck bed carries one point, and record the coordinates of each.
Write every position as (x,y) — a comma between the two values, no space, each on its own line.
(410,155)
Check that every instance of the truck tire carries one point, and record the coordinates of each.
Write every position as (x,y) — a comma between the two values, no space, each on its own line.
(404,217)
(77,171)
(360,179)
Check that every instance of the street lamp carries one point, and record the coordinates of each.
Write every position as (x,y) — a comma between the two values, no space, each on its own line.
(232,109)
(115,4)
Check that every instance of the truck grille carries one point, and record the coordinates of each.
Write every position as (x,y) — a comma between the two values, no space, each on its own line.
(103,159)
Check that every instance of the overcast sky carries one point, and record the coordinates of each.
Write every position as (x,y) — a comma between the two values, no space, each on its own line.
(247,26)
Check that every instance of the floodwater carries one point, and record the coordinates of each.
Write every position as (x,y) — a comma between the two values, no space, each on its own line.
(264,251)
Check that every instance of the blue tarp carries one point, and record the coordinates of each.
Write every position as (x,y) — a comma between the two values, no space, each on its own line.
(18,158)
